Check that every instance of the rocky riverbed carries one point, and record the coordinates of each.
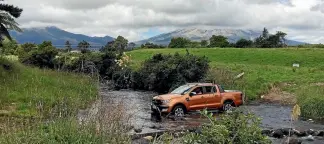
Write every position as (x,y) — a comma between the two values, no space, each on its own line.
(137,104)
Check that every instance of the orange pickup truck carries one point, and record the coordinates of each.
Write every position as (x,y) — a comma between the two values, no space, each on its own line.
(196,96)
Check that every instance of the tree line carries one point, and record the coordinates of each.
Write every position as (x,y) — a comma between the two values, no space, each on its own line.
(265,40)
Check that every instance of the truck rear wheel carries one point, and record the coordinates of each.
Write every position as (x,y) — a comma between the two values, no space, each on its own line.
(228,106)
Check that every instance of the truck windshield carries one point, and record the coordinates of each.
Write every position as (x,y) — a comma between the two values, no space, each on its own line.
(181,90)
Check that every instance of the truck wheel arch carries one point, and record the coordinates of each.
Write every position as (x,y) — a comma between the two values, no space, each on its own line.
(180,104)
(229,100)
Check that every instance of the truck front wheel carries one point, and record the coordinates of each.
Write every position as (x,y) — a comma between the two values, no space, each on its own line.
(179,111)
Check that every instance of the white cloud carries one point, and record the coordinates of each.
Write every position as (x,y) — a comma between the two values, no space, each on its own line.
(301,19)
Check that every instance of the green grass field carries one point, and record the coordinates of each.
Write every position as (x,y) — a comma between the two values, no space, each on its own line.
(26,91)
(262,67)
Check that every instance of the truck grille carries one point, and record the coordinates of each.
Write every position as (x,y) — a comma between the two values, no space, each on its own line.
(157,102)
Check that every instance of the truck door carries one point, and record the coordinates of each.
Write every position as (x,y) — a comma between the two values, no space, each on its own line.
(214,98)
(197,101)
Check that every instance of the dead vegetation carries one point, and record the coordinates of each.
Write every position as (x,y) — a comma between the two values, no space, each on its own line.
(277,95)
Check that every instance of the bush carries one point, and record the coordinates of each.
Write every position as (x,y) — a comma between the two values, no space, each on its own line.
(89,63)
(9,47)
(24,49)
(163,73)
(41,57)
(232,128)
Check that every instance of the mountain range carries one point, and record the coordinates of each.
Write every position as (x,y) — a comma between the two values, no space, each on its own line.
(59,36)
(196,34)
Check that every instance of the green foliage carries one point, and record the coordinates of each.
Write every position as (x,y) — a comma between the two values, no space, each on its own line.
(83,46)
(41,57)
(120,44)
(311,45)
(24,50)
(243,43)
(270,41)
(204,43)
(162,73)
(7,21)
(68,46)
(9,47)
(233,128)
(218,41)
(179,42)
(12,10)
(151,45)
(310,99)
(108,47)
(194,44)
(89,63)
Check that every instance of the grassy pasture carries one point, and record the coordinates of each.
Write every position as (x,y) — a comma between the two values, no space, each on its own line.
(262,67)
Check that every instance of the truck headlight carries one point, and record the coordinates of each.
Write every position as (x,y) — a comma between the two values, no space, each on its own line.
(165,101)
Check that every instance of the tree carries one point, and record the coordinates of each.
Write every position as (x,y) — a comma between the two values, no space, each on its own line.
(243,43)
(42,57)
(7,21)
(68,46)
(179,42)
(204,43)
(282,38)
(270,41)
(108,47)
(265,33)
(218,41)
(83,46)
(120,43)
(151,45)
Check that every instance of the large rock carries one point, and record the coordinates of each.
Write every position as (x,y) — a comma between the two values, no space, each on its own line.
(277,134)
(299,133)
(266,132)
(320,133)
(310,132)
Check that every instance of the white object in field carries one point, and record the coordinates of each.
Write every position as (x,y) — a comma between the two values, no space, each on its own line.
(240,75)
(295,65)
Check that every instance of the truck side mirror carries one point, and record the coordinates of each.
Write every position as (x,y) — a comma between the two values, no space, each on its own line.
(192,94)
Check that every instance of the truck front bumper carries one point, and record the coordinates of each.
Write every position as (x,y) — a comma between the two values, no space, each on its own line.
(159,108)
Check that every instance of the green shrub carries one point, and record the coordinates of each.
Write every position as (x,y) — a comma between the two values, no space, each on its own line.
(41,57)
(9,47)
(162,73)
(102,63)
(235,127)
(311,101)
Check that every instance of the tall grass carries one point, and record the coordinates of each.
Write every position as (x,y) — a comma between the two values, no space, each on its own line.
(26,91)
(311,101)
(42,106)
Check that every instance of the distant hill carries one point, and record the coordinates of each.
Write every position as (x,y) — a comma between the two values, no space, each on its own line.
(196,34)
(57,36)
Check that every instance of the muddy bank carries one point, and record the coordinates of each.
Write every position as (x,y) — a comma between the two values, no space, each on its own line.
(137,104)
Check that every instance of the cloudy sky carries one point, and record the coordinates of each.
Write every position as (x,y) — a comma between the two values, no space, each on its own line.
(137,19)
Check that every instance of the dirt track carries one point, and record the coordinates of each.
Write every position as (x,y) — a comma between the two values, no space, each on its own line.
(138,105)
